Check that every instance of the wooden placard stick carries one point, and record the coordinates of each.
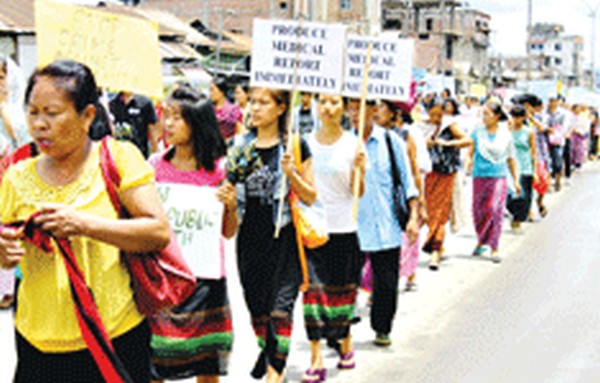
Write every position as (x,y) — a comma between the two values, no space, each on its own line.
(289,129)
(361,127)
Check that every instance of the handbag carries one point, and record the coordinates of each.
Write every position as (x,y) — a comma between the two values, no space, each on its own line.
(310,221)
(399,201)
(160,280)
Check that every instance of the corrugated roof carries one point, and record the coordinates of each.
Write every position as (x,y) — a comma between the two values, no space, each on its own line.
(17,16)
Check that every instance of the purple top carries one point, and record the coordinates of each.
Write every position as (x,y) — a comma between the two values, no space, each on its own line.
(228,116)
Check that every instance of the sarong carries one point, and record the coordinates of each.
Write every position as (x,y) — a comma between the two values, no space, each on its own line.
(334,273)
(489,199)
(438,197)
(196,337)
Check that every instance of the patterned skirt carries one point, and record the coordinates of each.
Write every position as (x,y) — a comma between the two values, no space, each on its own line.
(334,275)
(489,199)
(194,338)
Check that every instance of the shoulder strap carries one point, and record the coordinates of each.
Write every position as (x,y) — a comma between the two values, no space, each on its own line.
(297,152)
(395,171)
(110,174)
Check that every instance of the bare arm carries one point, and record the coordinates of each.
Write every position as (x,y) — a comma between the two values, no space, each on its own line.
(533,151)
(360,164)
(302,184)
(461,140)
(512,165)
(228,196)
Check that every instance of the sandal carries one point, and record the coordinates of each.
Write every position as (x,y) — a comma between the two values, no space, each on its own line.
(347,361)
(317,375)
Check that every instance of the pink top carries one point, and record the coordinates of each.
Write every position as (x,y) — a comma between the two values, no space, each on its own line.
(167,173)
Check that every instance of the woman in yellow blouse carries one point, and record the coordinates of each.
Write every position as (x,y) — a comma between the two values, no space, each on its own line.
(65,185)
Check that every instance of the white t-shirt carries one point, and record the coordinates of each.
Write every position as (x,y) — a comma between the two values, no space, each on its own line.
(332,166)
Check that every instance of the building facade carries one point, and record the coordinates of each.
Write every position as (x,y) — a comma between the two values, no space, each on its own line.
(560,55)
(450,38)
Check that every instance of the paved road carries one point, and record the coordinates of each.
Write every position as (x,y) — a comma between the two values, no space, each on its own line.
(533,318)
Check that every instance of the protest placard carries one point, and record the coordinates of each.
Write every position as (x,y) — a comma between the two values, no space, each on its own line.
(315,49)
(123,52)
(390,70)
(196,217)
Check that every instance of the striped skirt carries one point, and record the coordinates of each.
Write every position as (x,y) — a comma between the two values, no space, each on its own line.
(196,337)
(334,274)
(438,197)
(489,199)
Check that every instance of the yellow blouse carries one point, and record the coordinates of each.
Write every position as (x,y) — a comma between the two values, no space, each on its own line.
(46,314)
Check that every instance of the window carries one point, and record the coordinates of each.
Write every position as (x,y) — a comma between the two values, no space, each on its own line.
(449,47)
(557,61)
(345,4)
(541,47)
(547,61)
(477,24)
(423,36)
(558,47)
(283,5)
(533,47)
(429,25)
(392,24)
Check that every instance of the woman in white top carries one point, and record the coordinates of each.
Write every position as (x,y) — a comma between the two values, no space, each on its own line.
(335,267)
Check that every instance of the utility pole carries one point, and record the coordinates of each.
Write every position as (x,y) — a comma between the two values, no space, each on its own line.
(529,31)
(593,14)
(407,18)
(442,35)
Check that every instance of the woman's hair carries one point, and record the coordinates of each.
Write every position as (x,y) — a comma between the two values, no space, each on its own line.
(452,101)
(393,108)
(207,141)
(74,78)
(407,118)
(496,108)
(281,97)
(244,86)
(434,103)
(222,85)
(518,111)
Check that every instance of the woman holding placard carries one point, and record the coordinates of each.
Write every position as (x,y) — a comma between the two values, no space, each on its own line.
(269,267)
(334,267)
(195,338)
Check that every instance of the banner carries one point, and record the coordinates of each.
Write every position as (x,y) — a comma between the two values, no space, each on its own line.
(390,72)
(316,49)
(123,52)
(196,217)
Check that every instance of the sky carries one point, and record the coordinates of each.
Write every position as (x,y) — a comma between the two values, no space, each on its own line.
(509,21)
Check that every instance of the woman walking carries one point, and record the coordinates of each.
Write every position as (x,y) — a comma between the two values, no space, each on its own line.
(492,151)
(268,266)
(519,205)
(444,143)
(229,115)
(65,186)
(195,338)
(334,267)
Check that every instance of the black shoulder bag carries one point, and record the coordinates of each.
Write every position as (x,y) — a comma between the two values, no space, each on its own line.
(399,200)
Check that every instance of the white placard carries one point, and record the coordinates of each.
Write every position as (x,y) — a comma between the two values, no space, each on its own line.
(390,72)
(274,55)
(196,217)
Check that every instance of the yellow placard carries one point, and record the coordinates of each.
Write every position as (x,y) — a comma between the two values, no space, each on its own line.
(123,52)
(478,90)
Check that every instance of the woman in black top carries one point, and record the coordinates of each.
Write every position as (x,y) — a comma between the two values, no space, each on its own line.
(268,266)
